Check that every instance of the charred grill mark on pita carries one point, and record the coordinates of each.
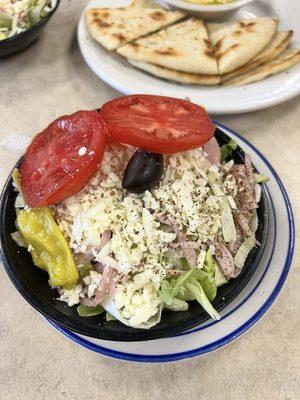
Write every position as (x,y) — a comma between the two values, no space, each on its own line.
(167,52)
(134,45)
(221,54)
(105,14)
(119,36)
(157,15)
(101,23)
(247,26)
(209,50)
(218,45)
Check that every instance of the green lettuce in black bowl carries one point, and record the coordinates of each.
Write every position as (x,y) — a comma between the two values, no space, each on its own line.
(33,284)
(22,22)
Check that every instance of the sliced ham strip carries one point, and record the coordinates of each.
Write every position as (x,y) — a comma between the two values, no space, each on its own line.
(249,173)
(105,238)
(234,245)
(191,245)
(188,250)
(106,286)
(225,261)
(243,220)
(213,152)
(245,198)
(190,256)
(189,253)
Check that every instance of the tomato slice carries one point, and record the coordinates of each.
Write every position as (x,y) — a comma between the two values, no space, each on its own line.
(61,159)
(159,124)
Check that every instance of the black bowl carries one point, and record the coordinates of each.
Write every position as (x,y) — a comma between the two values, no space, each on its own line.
(32,282)
(24,39)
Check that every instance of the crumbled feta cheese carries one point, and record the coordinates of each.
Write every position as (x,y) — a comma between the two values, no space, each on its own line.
(139,299)
(95,278)
(71,296)
(189,193)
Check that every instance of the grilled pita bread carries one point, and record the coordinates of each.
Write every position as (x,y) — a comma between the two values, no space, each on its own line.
(177,76)
(114,27)
(277,46)
(284,61)
(235,44)
(183,47)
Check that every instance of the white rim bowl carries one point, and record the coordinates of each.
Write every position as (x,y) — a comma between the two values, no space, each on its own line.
(213,8)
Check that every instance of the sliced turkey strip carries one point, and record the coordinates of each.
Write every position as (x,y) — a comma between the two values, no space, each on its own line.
(105,288)
(225,261)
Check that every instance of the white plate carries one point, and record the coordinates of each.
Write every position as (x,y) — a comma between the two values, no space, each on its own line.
(115,71)
(209,11)
(244,311)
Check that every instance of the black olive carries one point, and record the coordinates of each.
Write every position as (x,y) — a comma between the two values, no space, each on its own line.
(143,171)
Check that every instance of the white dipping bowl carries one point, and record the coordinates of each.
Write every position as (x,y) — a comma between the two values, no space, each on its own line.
(212,11)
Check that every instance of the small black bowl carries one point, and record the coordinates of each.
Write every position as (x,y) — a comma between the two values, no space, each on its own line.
(32,282)
(20,41)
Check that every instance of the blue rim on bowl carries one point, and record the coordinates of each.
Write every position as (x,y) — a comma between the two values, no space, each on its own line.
(236,332)
(32,283)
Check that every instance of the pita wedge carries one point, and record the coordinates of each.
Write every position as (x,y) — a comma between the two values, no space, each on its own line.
(235,44)
(176,76)
(183,47)
(284,61)
(114,27)
(278,44)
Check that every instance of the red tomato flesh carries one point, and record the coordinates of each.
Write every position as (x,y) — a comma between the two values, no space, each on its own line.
(61,159)
(159,124)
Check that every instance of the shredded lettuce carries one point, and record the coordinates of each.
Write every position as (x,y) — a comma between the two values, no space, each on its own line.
(18,238)
(177,305)
(227,149)
(215,182)
(201,259)
(260,178)
(84,270)
(197,291)
(212,267)
(180,263)
(257,192)
(243,252)
(209,263)
(110,306)
(254,222)
(169,289)
(19,16)
(85,311)
(109,317)
(228,227)
(208,283)
(219,277)
(197,284)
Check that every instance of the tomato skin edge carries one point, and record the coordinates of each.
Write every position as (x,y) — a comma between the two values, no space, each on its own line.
(147,143)
(70,185)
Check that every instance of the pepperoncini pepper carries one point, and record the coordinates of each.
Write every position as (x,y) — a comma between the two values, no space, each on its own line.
(47,246)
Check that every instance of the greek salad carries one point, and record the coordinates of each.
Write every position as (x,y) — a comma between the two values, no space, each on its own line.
(135,208)
(17,16)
